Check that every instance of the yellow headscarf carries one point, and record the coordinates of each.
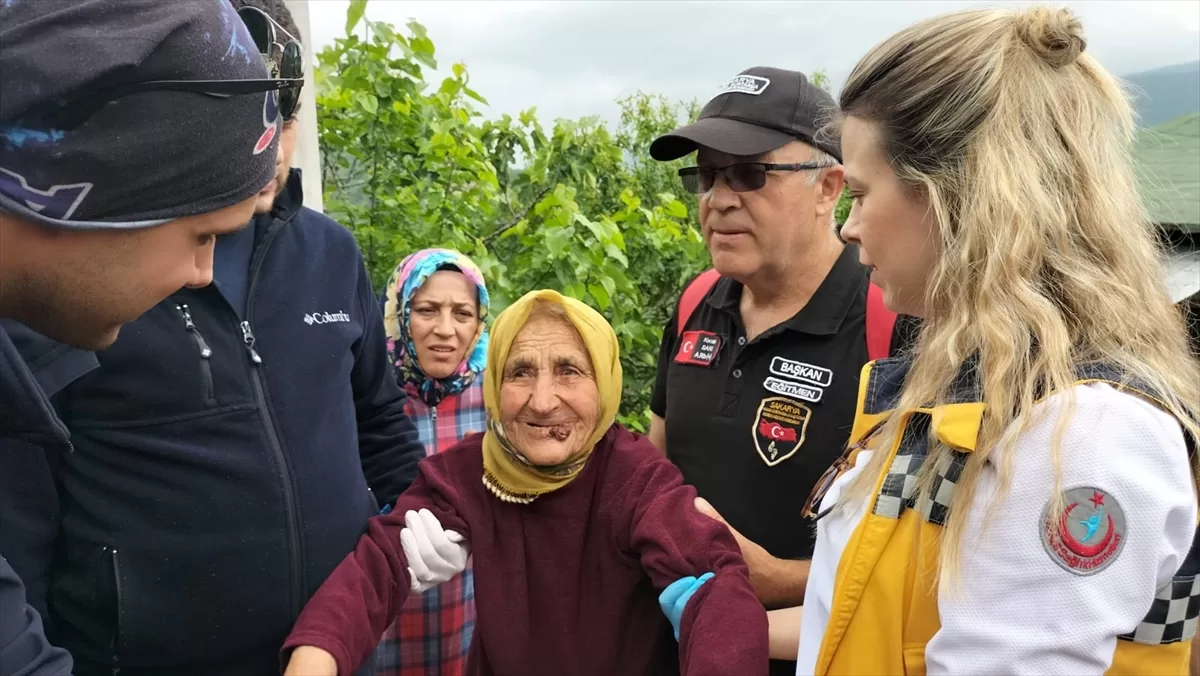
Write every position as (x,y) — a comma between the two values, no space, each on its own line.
(506,473)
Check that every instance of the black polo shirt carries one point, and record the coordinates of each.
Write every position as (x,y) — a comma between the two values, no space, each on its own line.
(754,427)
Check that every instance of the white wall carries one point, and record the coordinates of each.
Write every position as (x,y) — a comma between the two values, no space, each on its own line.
(1183,271)
(308,151)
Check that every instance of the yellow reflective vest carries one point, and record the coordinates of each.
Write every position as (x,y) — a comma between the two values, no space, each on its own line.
(889,565)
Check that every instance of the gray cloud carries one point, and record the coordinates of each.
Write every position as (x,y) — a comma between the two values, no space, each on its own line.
(575,58)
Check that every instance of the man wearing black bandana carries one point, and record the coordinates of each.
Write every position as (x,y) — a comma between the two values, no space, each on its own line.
(227,452)
(94,92)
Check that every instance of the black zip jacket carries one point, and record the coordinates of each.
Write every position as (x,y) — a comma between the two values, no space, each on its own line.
(217,475)
(27,422)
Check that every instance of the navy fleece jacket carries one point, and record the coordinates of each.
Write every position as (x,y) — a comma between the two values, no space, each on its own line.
(221,467)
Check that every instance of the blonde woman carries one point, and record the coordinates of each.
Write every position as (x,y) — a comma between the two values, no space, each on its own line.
(1019,496)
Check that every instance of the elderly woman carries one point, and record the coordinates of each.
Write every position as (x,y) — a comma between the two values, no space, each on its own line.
(435,308)
(575,523)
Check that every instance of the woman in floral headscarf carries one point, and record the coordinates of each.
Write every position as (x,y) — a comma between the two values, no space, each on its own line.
(435,307)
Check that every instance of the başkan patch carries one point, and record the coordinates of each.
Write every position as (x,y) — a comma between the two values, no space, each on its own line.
(698,348)
(1087,534)
(779,428)
(798,370)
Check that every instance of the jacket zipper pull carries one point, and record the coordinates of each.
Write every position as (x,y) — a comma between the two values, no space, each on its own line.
(205,350)
(248,338)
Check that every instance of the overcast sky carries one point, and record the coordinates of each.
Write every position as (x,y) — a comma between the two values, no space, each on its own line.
(575,58)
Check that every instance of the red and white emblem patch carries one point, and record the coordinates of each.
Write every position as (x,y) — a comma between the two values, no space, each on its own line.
(1087,534)
(698,348)
(779,428)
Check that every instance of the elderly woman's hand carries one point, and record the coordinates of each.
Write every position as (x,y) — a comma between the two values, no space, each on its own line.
(434,554)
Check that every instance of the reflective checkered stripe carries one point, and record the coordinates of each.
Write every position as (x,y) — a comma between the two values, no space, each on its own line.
(899,490)
(900,485)
(1172,618)
(936,508)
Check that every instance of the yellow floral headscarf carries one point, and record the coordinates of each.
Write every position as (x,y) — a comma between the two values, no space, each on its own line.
(506,473)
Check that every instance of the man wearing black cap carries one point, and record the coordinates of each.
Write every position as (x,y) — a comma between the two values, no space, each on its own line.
(95,92)
(758,369)
(237,438)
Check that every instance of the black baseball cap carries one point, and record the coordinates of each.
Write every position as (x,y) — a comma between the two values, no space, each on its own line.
(755,112)
(130,113)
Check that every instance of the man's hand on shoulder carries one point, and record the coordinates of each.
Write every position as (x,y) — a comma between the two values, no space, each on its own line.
(658,433)
(311,661)
(777,582)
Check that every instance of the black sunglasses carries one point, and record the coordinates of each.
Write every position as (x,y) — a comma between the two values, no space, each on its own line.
(741,177)
(68,116)
(284,59)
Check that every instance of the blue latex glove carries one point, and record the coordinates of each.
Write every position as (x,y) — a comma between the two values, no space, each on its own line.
(674,598)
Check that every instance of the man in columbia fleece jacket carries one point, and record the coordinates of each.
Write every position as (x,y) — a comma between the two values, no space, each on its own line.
(228,451)
(226,458)
(89,237)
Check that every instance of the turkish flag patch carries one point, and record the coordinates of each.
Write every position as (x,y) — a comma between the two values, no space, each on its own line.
(779,428)
(698,348)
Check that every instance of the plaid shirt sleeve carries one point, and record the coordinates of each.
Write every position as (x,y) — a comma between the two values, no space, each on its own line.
(432,634)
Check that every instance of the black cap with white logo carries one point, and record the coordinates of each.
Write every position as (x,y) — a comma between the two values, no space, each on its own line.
(755,112)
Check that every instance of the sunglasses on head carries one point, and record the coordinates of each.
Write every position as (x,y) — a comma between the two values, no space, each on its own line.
(282,53)
(68,116)
(740,177)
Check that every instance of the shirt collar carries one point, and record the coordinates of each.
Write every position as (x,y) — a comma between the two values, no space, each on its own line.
(825,311)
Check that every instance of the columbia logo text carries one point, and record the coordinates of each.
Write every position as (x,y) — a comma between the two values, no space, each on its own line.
(326,318)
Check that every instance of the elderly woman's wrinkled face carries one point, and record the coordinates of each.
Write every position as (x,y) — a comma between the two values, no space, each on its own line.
(549,404)
(443,321)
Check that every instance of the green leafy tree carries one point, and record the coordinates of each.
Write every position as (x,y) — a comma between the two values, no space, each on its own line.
(579,208)
(842,210)
(820,79)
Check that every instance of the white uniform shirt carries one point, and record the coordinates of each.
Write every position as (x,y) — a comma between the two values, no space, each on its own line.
(1018,609)
(833,532)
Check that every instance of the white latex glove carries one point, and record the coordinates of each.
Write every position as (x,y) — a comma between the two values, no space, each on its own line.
(434,555)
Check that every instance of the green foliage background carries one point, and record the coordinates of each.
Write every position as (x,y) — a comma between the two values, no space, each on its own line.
(579,207)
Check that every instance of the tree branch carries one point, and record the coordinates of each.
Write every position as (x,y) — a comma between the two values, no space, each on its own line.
(516,219)
(508,202)
(370,253)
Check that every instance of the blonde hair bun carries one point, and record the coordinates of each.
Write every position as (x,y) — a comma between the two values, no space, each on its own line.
(1055,35)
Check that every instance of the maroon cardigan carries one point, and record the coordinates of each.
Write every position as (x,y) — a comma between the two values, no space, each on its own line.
(565,586)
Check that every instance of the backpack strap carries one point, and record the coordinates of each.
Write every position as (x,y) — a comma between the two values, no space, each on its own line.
(880,323)
(693,295)
(880,320)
